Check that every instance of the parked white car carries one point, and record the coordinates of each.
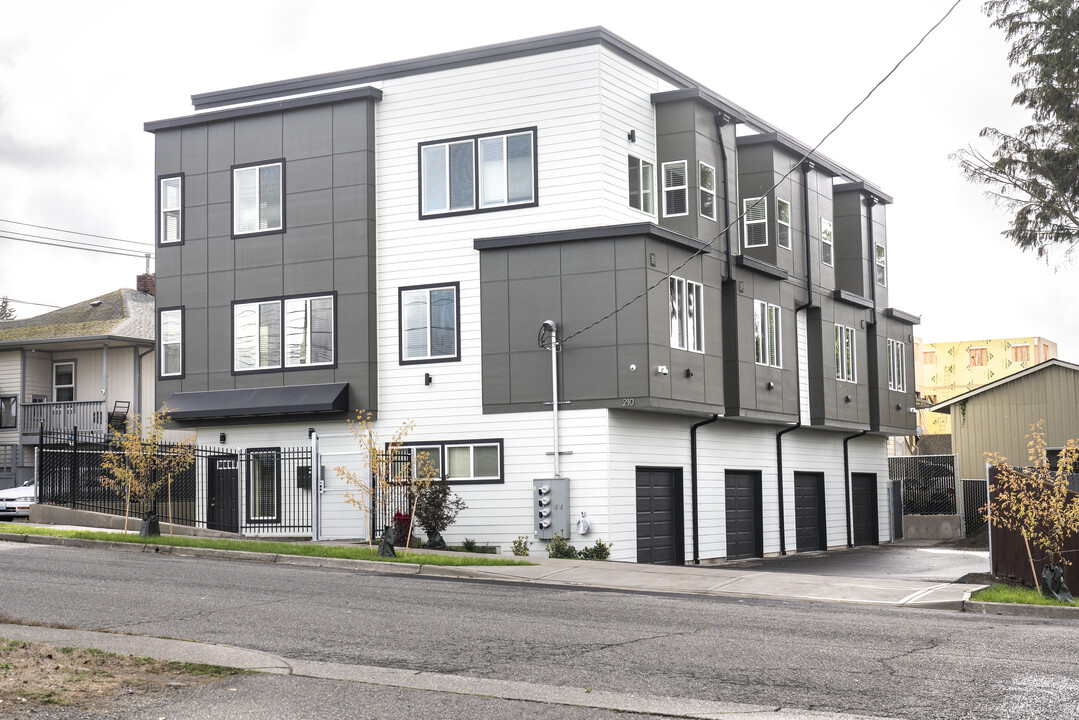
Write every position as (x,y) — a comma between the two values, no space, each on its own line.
(15,502)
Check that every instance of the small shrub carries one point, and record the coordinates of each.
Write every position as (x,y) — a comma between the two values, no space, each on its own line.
(520,546)
(402,523)
(599,551)
(470,545)
(559,547)
(438,507)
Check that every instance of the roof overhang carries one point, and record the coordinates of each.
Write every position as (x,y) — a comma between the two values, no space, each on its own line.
(945,405)
(252,402)
(89,342)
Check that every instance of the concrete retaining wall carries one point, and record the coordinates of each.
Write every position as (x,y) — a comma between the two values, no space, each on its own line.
(55,515)
(931,527)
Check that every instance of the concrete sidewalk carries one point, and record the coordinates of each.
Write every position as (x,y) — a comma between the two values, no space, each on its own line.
(693,580)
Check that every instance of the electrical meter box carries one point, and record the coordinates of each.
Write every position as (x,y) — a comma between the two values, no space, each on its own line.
(550,501)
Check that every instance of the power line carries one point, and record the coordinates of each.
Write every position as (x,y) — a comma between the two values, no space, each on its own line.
(69,246)
(75,232)
(787,174)
(27,302)
(63,241)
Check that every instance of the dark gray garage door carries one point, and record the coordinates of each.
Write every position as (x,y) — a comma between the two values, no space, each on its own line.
(864,507)
(809,511)
(659,516)
(744,533)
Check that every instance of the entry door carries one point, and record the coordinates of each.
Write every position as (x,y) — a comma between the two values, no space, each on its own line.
(864,506)
(223,498)
(659,516)
(809,511)
(745,537)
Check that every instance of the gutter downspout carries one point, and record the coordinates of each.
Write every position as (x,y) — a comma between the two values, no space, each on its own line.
(846,481)
(722,119)
(693,484)
(871,202)
(550,325)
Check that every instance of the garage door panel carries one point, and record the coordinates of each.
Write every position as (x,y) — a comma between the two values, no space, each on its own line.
(744,519)
(659,515)
(809,511)
(864,508)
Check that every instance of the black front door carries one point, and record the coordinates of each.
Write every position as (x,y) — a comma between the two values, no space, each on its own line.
(659,516)
(864,506)
(223,510)
(809,511)
(745,538)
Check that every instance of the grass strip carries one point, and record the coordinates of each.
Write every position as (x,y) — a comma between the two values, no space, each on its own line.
(1016,595)
(304,549)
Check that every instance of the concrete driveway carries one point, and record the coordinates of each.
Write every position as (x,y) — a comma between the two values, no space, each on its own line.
(902,560)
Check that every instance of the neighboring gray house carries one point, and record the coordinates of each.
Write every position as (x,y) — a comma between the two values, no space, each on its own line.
(70,368)
(997,417)
(393,238)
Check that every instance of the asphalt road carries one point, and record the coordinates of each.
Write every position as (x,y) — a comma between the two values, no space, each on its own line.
(842,659)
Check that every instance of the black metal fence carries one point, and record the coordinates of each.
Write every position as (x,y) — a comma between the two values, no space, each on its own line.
(975,496)
(393,497)
(929,483)
(255,491)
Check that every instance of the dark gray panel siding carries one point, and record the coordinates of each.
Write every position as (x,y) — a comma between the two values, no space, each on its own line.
(890,409)
(835,403)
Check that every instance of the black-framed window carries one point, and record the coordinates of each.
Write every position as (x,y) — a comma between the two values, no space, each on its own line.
(263,485)
(466,462)
(170,209)
(9,411)
(170,342)
(290,333)
(429,319)
(258,198)
(478,173)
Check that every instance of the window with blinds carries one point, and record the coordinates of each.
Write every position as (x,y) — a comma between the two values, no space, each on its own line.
(459,461)
(675,189)
(755,221)
(428,323)
(257,204)
(263,484)
(170,208)
(485,172)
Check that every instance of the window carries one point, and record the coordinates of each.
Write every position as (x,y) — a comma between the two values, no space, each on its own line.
(766,334)
(897,369)
(309,331)
(929,357)
(429,322)
(263,484)
(8,411)
(296,331)
(826,241)
(846,358)
(641,185)
(170,202)
(708,191)
(460,461)
(882,265)
(421,459)
(783,223)
(686,306)
(675,189)
(1021,353)
(171,338)
(484,172)
(979,356)
(755,221)
(63,382)
(256,198)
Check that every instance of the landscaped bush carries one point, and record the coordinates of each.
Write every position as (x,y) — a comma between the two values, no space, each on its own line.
(520,546)
(438,507)
(599,551)
(559,547)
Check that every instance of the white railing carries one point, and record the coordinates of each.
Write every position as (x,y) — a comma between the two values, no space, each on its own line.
(88,416)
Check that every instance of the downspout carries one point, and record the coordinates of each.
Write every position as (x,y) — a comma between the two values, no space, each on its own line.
(722,119)
(846,481)
(871,201)
(693,485)
(550,325)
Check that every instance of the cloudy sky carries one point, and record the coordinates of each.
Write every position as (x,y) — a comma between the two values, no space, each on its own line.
(78,80)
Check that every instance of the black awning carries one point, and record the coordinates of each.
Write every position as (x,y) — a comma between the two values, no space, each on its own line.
(288,400)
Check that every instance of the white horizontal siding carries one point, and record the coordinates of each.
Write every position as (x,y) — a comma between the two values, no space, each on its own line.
(11,385)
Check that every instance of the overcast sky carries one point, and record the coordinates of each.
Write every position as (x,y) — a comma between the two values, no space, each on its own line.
(78,80)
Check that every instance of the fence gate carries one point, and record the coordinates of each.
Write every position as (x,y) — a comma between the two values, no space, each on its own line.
(928,483)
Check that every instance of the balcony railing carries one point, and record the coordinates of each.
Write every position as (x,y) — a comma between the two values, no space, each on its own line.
(90,416)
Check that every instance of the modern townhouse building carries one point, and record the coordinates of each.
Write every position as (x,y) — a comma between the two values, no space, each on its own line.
(412,238)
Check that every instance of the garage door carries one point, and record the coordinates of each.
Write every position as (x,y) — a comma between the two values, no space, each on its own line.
(659,516)
(864,507)
(743,495)
(809,511)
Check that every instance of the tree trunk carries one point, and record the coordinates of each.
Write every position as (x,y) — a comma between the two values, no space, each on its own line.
(1037,585)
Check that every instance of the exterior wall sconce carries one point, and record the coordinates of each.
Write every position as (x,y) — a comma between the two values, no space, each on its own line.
(221,438)
(310,433)
(662,370)
(427,378)
(898,407)
(846,399)
(632,136)
(770,385)
(689,373)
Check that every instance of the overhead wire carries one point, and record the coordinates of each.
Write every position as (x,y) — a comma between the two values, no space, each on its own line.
(75,232)
(738,219)
(72,245)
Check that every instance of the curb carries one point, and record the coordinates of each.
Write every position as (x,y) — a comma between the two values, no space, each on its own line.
(1044,612)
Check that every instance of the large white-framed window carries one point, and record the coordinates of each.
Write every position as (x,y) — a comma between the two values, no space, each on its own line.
(642,185)
(783,223)
(755,221)
(481,172)
(170,203)
(256,336)
(881,264)
(429,323)
(263,485)
(170,335)
(309,331)
(258,198)
(897,366)
(63,381)
(846,357)
(675,189)
(476,461)
(706,176)
(826,241)
(767,334)
(9,411)
(686,311)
